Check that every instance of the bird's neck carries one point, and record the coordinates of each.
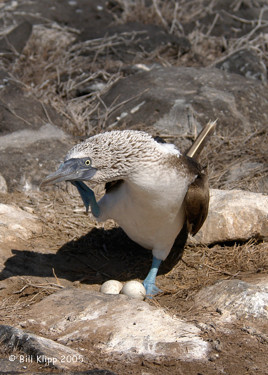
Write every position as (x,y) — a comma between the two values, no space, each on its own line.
(150,179)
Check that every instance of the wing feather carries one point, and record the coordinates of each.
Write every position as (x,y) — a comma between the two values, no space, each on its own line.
(196,203)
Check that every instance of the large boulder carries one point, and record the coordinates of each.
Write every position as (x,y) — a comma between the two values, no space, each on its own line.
(236,299)
(177,101)
(40,349)
(17,224)
(117,325)
(234,215)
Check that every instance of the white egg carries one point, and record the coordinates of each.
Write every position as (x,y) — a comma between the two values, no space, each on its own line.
(134,289)
(111,287)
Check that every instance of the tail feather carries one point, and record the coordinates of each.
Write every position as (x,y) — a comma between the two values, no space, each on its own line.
(201,140)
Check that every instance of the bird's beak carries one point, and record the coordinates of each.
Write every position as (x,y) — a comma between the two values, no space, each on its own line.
(70,170)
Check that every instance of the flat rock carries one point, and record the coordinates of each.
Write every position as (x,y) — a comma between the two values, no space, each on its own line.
(78,14)
(236,299)
(245,62)
(19,110)
(26,137)
(16,223)
(117,325)
(15,40)
(234,215)
(32,141)
(41,349)
(175,101)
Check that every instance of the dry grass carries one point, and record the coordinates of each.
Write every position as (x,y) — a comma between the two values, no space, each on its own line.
(203,266)
(168,14)
(172,15)
(55,68)
(238,162)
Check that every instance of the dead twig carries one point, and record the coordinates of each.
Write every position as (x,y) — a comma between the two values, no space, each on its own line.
(57,280)
(41,286)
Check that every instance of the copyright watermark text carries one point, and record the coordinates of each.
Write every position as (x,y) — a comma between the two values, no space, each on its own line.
(48,361)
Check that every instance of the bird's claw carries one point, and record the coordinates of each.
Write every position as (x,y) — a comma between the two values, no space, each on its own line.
(151,289)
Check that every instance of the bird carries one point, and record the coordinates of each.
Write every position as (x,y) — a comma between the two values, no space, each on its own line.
(156,194)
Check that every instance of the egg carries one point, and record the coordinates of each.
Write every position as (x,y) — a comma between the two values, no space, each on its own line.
(111,287)
(134,289)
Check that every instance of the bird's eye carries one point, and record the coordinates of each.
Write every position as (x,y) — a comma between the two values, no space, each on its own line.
(87,162)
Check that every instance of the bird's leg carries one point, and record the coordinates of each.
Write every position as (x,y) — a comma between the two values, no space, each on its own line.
(149,282)
(88,197)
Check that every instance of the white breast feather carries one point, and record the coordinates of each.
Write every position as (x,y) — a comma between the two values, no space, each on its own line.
(149,208)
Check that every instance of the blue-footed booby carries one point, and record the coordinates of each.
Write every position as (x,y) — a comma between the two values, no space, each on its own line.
(155,193)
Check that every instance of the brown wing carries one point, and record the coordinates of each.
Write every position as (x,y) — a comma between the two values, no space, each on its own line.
(196,209)
(196,203)
(197,197)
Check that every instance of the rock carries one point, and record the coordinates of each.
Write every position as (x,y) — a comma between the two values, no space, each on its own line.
(118,325)
(25,138)
(134,37)
(40,349)
(16,223)
(78,14)
(228,18)
(8,366)
(246,63)
(14,41)
(31,138)
(3,185)
(234,215)
(175,101)
(236,299)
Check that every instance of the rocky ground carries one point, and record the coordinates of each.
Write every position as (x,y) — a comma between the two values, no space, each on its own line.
(71,69)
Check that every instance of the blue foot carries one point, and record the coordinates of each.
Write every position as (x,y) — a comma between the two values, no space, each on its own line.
(151,289)
(149,282)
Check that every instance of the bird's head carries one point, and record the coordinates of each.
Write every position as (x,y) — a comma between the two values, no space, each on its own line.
(74,169)
(106,157)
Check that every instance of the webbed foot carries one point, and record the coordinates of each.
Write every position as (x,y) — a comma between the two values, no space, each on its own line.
(149,282)
(151,289)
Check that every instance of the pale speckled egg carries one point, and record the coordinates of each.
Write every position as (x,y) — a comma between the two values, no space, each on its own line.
(134,289)
(111,287)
